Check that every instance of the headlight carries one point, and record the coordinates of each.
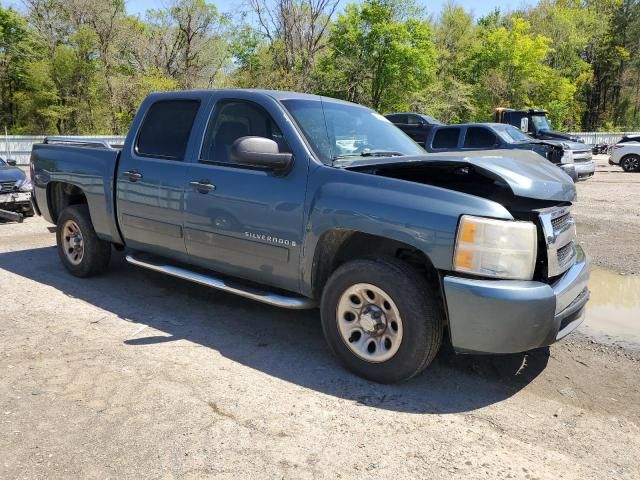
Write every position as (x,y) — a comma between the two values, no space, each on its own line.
(496,248)
(25,186)
(567,157)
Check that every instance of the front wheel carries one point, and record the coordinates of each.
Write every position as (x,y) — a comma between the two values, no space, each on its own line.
(81,251)
(630,163)
(382,319)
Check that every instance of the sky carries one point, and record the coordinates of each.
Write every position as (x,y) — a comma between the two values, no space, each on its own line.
(477,7)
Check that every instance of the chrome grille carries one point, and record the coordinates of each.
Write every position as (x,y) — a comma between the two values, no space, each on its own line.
(561,221)
(566,253)
(582,155)
(559,229)
(6,187)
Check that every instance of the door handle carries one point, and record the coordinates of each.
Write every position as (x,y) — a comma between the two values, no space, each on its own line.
(133,175)
(202,186)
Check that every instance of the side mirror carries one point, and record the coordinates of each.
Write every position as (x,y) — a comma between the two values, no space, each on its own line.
(11,162)
(260,152)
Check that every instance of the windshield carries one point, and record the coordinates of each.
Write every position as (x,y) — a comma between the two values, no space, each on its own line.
(511,134)
(337,130)
(2,163)
(541,122)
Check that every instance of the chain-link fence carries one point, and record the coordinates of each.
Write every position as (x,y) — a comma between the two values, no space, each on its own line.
(18,147)
(593,138)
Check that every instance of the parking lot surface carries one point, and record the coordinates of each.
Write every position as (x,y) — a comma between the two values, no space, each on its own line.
(134,375)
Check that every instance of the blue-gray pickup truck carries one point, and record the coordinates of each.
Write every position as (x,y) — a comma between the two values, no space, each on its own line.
(301,201)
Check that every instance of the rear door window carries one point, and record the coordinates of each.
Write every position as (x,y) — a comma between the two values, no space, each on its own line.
(446,138)
(479,137)
(165,130)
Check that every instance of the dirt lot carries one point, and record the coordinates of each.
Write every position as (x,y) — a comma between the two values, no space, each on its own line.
(608,215)
(136,375)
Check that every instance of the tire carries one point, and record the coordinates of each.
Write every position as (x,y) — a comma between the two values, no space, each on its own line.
(630,163)
(399,353)
(93,255)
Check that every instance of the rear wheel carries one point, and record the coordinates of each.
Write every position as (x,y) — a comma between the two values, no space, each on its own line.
(630,163)
(381,319)
(79,248)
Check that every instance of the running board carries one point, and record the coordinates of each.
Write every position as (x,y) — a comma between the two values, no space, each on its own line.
(278,300)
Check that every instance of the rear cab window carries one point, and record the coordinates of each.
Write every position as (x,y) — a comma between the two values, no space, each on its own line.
(446,138)
(165,130)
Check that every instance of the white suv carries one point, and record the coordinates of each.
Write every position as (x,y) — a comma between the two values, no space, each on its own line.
(627,155)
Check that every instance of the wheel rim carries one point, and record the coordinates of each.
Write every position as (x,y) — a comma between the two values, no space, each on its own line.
(72,242)
(369,322)
(630,164)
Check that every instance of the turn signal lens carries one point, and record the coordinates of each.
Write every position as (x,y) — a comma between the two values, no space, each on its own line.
(496,248)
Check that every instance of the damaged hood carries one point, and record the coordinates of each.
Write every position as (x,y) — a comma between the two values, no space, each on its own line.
(8,174)
(526,173)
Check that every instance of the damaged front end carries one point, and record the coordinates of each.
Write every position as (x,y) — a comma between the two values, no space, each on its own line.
(494,315)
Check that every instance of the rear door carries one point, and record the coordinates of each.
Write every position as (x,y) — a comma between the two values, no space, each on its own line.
(242,221)
(151,177)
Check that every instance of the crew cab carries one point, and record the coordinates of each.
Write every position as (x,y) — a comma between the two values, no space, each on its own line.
(300,201)
(488,136)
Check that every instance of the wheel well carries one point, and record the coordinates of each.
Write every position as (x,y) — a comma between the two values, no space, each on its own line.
(341,245)
(60,195)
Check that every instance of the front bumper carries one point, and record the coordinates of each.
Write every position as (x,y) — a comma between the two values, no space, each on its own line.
(585,170)
(508,316)
(569,169)
(15,201)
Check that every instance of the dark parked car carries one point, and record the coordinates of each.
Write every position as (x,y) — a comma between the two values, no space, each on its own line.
(491,136)
(15,192)
(416,125)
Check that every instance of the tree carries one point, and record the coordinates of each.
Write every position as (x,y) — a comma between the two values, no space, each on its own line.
(509,70)
(16,49)
(186,42)
(378,56)
(295,33)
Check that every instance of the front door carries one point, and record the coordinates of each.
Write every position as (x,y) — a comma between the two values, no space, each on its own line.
(151,178)
(246,222)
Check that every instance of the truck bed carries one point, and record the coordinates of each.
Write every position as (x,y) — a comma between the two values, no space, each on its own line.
(89,165)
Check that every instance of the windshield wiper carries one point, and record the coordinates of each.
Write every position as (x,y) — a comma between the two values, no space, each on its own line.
(371,153)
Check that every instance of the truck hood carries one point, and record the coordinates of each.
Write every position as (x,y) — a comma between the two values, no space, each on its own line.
(552,135)
(11,173)
(567,144)
(526,173)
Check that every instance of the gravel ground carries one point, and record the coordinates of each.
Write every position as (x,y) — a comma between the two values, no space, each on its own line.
(608,216)
(133,375)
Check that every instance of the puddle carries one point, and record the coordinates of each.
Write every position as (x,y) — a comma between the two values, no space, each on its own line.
(613,312)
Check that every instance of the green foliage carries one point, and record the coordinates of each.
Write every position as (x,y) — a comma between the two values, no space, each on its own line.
(376,57)
(82,67)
